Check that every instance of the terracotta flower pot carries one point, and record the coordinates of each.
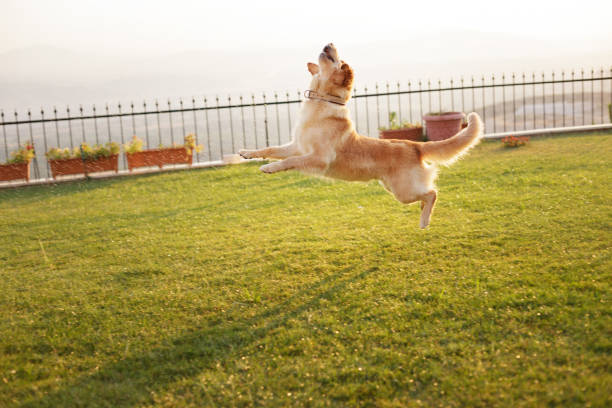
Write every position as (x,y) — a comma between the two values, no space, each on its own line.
(15,171)
(66,167)
(145,158)
(175,155)
(443,126)
(414,134)
(159,157)
(110,163)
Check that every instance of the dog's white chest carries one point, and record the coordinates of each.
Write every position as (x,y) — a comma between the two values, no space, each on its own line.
(310,133)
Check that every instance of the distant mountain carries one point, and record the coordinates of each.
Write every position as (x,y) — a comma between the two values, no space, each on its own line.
(43,75)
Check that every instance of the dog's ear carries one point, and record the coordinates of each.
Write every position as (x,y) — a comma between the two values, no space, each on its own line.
(344,77)
(313,68)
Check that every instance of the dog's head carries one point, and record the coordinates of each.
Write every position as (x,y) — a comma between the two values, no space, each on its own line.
(331,76)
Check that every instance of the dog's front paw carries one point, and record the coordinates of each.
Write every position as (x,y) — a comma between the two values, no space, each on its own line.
(247,154)
(271,167)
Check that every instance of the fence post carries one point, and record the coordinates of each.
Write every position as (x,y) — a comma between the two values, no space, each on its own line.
(207,128)
(365,95)
(195,126)
(36,168)
(266,120)
(44,130)
(146,122)
(4,135)
(219,127)
(277,120)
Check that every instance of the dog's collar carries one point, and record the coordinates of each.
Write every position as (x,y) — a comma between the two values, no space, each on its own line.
(310,94)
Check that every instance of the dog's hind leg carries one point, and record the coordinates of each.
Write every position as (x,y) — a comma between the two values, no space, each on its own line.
(415,184)
(428,201)
(274,152)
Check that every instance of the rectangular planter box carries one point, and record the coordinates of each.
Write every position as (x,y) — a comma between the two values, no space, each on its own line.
(17,171)
(110,163)
(146,158)
(158,157)
(175,155)
(66,167)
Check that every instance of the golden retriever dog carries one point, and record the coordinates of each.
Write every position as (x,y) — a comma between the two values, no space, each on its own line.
(325,142)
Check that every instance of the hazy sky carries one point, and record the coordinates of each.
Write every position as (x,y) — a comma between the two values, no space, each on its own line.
(152,26)
(83,51)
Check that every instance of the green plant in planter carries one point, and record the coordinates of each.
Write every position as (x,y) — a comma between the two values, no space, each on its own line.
(394,124)
(98,151)
(190,144)
(135,145)
(24,154)
(84,151)
(63,154)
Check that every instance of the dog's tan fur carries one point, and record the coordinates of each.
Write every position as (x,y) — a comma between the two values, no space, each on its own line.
(325,143)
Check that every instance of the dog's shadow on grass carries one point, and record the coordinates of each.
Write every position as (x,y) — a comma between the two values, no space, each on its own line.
(187,355)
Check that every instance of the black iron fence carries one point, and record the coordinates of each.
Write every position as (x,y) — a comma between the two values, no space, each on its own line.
(506,103)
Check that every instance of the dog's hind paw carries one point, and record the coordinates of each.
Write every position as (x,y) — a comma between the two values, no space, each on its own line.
(271,167)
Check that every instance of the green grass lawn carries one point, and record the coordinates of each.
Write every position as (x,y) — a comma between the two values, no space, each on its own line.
(229,287)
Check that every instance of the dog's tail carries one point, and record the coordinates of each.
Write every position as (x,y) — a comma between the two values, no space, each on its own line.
(449,150)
